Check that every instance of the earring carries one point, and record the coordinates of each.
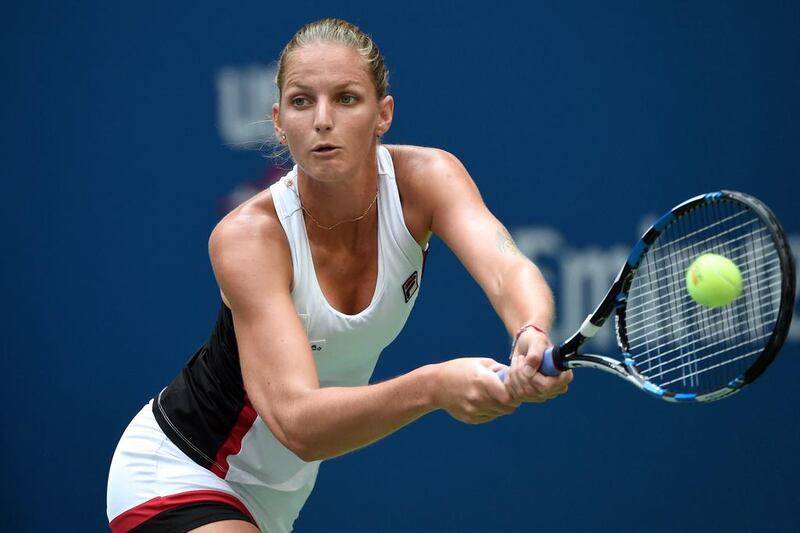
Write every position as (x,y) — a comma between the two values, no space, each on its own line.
(283,138)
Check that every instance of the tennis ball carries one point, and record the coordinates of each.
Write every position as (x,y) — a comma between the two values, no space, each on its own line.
(713,280)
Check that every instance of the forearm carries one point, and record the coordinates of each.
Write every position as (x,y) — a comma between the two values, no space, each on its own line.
(330,421)
(523,297)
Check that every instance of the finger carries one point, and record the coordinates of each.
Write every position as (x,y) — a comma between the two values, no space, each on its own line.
(548,386)
(525,388)
(561,381)
(507,410)
(539,345)
(514,368)
(516,379)
(533,360)
(542,382)
(535,399)
(534,395)
(513,386)
(498,392)
(495,410)
(531,386)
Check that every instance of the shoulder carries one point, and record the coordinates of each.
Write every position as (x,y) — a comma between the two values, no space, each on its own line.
(248,240)
(430,175)
(252,223)
(420,162)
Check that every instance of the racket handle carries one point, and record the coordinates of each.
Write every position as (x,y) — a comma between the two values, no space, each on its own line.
(548,366)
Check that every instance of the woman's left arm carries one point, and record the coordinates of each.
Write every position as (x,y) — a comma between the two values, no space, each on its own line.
(514,285)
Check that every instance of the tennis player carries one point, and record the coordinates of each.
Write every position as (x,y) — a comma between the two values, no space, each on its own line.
(317,275)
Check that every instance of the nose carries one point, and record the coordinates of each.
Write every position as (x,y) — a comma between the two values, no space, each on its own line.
(323,117)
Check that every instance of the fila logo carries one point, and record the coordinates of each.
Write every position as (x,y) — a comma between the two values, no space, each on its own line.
(410,286)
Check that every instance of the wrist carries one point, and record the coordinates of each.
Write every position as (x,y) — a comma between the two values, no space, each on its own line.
(431,380)
(530,326)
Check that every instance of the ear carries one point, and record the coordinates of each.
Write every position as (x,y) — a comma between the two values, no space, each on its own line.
(276,120)
(385,114)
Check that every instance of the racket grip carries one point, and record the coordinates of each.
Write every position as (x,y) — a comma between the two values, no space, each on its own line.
(548,366)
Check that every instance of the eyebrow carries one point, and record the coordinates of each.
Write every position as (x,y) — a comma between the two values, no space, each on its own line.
(338,86)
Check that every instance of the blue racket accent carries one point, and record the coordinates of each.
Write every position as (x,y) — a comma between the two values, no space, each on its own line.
(662,222)
(636,253)
(653,389)
(685,396)
(712,196)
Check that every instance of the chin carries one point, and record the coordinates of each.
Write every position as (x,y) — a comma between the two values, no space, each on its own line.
(329,172)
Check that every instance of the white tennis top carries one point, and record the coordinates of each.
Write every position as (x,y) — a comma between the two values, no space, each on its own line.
(345,347)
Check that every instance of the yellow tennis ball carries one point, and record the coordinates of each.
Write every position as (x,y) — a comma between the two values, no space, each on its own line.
(713,280)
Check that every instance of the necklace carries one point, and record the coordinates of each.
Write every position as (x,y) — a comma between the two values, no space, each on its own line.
(316,222)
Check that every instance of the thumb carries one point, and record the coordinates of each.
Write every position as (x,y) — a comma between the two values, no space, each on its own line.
(532,363)
(497,366)
(490,366)
(489,363)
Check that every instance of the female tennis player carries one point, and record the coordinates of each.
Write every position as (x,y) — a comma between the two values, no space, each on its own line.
(317,276)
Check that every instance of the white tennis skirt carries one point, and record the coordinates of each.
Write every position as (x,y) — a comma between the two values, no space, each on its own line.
(149,474)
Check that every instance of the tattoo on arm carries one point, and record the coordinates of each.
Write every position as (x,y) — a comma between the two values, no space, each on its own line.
(505,243)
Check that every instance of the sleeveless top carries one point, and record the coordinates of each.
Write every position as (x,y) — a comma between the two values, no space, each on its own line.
(205,410)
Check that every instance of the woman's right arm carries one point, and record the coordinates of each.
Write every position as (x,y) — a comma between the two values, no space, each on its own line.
(252,264)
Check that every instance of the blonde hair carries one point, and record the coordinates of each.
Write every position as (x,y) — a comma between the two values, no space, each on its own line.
(332,30)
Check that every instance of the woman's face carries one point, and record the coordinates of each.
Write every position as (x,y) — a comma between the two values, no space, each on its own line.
(329,111)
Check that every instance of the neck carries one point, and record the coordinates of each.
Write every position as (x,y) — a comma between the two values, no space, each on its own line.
(342,204)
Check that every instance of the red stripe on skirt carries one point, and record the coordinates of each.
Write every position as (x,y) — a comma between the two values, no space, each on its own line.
(233,444)
(143,512)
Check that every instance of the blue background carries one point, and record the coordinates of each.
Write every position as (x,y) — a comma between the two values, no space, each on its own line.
(576,119)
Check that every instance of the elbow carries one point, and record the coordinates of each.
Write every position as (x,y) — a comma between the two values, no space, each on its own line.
(309,454)
(303,448)
(296,436)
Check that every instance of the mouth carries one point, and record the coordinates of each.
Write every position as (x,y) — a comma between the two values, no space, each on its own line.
(324,148)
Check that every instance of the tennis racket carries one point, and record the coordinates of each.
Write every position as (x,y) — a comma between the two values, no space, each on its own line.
(673,347)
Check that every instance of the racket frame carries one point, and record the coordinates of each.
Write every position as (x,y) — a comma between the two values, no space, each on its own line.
(566,355)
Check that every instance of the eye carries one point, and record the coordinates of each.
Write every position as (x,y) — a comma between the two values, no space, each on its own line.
(347,99)
(299,101)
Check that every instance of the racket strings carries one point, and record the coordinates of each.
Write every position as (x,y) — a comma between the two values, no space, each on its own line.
(647,303)
(674,341)
(743,258)
(690,234)
(658,350)
(677,253)
(709,368)
(681,357)
(662,310)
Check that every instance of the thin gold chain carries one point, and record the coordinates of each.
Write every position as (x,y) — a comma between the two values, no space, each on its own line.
(316,222)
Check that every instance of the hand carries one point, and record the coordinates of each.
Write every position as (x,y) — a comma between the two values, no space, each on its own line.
(522,379)
(469,390)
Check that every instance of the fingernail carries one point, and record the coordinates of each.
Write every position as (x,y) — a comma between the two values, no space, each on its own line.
(528,371)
